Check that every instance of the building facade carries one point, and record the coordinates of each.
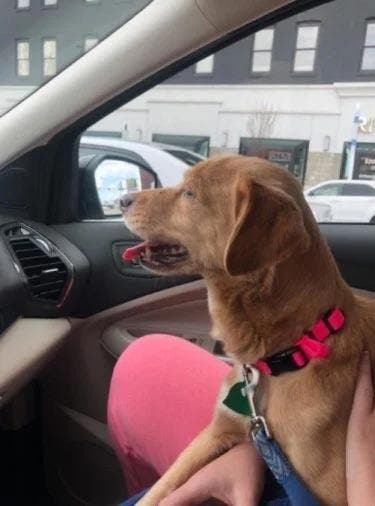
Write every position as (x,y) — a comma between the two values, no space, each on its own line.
(288,92)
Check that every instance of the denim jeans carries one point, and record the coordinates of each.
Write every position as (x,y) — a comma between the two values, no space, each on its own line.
(283,485)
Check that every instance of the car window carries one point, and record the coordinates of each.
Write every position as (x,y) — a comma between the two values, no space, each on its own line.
(298,92)
(328,190)
(39,38)
(360,190)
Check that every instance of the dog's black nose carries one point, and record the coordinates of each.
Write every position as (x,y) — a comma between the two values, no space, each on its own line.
(126,201)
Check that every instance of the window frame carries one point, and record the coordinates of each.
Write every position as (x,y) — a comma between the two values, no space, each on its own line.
(46,39)
(360,70)
(21,9)
(19,76)
(299,24)
(253,51)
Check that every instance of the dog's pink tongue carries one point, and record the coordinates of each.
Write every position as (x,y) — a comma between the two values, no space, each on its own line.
(134,252)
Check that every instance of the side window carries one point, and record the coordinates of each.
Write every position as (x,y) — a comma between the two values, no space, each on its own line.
(286,93)
(359,190)
(328,190)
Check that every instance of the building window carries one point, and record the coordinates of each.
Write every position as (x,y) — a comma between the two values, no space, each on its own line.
(90,42)
(92,1)
(49,57)
(23,4)
(307,41)
(49,3)
(262,50)
(368,57)
(205,66)
(23,58)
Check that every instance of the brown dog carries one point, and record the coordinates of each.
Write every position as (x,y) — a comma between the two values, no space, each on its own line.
(244,225)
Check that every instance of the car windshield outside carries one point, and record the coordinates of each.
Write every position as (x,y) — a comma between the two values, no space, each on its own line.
(299,92)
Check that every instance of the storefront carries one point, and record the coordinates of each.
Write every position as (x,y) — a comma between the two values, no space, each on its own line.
(290,154)
(364,161)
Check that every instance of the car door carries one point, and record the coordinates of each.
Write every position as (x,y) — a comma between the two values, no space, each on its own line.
(105,175)
(329,194)
(358,200)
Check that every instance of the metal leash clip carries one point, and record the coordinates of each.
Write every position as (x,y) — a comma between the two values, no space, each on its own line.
(251,376)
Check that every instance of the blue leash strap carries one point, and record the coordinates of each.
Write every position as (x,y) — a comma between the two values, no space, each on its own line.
(285,475)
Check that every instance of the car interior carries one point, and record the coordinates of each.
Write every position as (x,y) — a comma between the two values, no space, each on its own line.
(69,303)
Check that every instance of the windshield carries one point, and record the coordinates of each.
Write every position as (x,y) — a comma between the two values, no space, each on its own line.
(39,38)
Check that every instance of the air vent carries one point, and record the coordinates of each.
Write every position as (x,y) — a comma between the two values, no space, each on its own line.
(47,275)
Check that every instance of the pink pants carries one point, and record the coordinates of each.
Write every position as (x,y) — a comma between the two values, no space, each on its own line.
(162,394)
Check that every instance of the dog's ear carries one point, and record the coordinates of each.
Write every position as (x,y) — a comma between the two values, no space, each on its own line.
(268,228)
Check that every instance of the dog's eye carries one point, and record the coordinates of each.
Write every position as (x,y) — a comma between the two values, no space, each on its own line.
(188,194)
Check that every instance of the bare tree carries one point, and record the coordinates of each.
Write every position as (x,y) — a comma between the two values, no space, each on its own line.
(261,122)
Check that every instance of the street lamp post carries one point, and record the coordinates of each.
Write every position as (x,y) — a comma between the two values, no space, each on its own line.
(349,169)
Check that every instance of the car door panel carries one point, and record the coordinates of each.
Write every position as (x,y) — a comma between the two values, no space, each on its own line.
(110,283)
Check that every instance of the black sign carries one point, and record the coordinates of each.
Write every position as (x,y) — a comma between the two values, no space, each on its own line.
(364,164)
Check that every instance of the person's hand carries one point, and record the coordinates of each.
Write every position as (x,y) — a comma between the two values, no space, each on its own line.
(236,478)
(360,448)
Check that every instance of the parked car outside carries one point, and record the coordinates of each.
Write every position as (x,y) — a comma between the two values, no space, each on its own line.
(350,201)
(322,211)
(133,166)
(167,161)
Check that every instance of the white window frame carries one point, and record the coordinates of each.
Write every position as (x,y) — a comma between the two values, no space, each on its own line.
(23,8)
(206,65)
(267,51)
(19,59)
(47,59)
(301,49)
(367,46)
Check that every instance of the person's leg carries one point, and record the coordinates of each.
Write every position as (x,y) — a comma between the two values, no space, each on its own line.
(162,394)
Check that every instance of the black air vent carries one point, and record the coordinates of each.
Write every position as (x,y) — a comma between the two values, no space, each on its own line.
(47,275)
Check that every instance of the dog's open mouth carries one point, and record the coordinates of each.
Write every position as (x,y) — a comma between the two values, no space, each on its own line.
(156,255)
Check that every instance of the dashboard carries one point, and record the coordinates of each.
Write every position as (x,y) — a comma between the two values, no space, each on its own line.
(42,273)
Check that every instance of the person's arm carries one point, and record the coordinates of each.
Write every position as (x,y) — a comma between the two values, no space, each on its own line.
(236,478)
(360,449)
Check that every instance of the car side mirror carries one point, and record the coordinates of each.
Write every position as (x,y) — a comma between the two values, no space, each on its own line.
(105,179)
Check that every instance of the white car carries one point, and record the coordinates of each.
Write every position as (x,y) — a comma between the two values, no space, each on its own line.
(167,161)
(349,201)
(132,166)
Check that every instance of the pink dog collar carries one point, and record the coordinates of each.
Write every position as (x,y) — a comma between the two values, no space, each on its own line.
(309,346)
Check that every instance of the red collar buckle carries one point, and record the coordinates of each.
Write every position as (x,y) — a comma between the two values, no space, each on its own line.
(310,346)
